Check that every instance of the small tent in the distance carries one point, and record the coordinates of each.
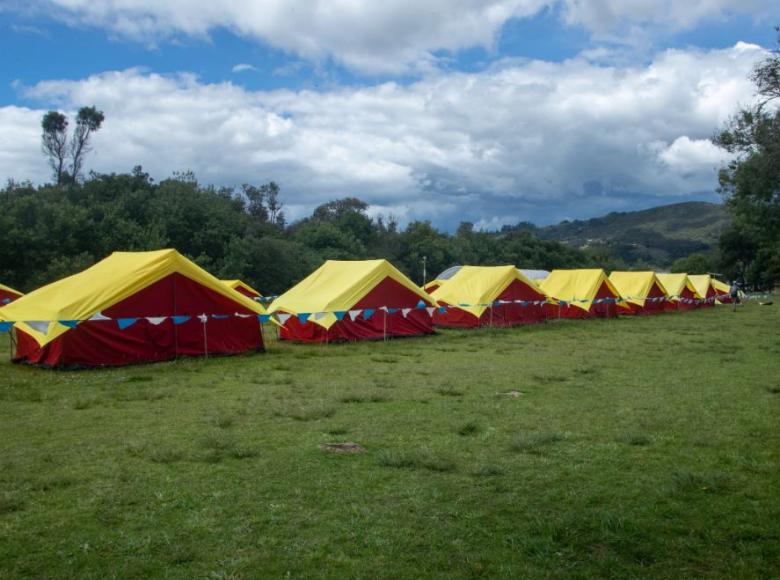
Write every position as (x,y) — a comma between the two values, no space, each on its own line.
(642,292)
(722,291)
(680,291)
(353,300)
(488,296)
(132,307)
(704,287)
(582,293)
(8,295)
(243,288)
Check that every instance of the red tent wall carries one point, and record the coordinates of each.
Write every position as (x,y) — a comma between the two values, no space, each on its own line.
(677,305)
(498,315)
(246,292)
(650,307)
(601,310)
(387,293)
(711,295)
(102,343)
(7,297)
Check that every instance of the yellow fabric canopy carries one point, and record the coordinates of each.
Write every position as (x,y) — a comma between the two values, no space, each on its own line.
(702,283)
(634,286)
(11,290)
(234,284)
(674,284)
(433,283)
(720,287)
(479,286)
(337,286)
(574,286)
(122,274)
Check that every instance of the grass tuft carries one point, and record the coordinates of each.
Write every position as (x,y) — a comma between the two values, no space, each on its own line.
(535,443)
(313,412)
(449,391)
(416,460)
(636,439)
(470,428)
(487,470)
(10,503)
(164,455)
(715,482)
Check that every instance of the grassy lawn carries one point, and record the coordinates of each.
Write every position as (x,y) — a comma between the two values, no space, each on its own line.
(644,447)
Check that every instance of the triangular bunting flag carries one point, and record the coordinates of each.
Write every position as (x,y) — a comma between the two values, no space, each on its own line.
(6,326)
(353,314)
(383,308)
(442,310)
(68,323)
(283,317)
(339,314)
(220,316)
(125,322)
(320,315)
(392,310)
(368,313)
(303,317)
(156,320)
(405,312)
(239,315)
(98,316)
(203,318)
(180,319)
(421,304)
(263,318)
(430,310)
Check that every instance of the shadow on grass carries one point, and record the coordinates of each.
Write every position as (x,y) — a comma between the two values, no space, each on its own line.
(424,460)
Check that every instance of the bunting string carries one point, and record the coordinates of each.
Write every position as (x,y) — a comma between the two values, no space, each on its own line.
(45,326)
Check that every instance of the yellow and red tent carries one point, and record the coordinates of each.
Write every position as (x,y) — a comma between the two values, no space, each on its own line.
(641,291)
(582,293)
(680,290)
(489,295)
(353,300)
(704,287)
(133,307)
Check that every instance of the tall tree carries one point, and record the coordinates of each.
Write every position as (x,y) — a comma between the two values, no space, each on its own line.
(55,142)
(750,183)
(88,120)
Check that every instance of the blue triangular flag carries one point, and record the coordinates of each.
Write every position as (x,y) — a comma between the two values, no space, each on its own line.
(368,313)
(220,316)
(180,319)
(303,317)
(125,322)
(421,304)
(69,323)
(392,310)
(264,317)
(340,314)
(6,326)
(442,310)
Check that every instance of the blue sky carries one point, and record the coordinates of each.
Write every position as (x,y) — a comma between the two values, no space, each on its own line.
(482,110)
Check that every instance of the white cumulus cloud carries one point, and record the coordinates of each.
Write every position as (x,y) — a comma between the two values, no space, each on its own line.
(530,140)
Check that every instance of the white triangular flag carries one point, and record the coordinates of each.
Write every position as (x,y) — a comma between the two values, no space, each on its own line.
(239,315)
(320,315)
(383,308)
(41,326)
(156,320)
(353,314)
(430,310)
(283,317)
(99,316)
(203,318)
(405,311)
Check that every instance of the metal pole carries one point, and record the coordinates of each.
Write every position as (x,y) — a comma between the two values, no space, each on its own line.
(205,338)
(425,274)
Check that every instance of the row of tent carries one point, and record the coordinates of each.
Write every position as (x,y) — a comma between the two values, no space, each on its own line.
(135,307)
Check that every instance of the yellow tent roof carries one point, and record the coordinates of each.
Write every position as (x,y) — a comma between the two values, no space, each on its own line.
(675,283)
(337,286)
(720,287)
(9,289)
(432,283)
(236,283)
(578,287)
(634,286)
(122,274)
(702,283)
(478,286)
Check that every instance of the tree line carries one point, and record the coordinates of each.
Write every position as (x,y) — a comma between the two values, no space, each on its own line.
(52,231)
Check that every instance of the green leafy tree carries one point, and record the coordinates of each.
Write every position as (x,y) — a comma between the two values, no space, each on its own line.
(55,142)
(88,120)
(750,183)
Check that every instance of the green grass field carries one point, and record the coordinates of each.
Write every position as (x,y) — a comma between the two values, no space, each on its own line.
(644,447)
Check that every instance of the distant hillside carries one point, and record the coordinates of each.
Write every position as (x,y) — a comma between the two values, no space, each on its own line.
(655,236)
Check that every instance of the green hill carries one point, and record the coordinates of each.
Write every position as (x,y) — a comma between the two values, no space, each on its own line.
(655,236)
